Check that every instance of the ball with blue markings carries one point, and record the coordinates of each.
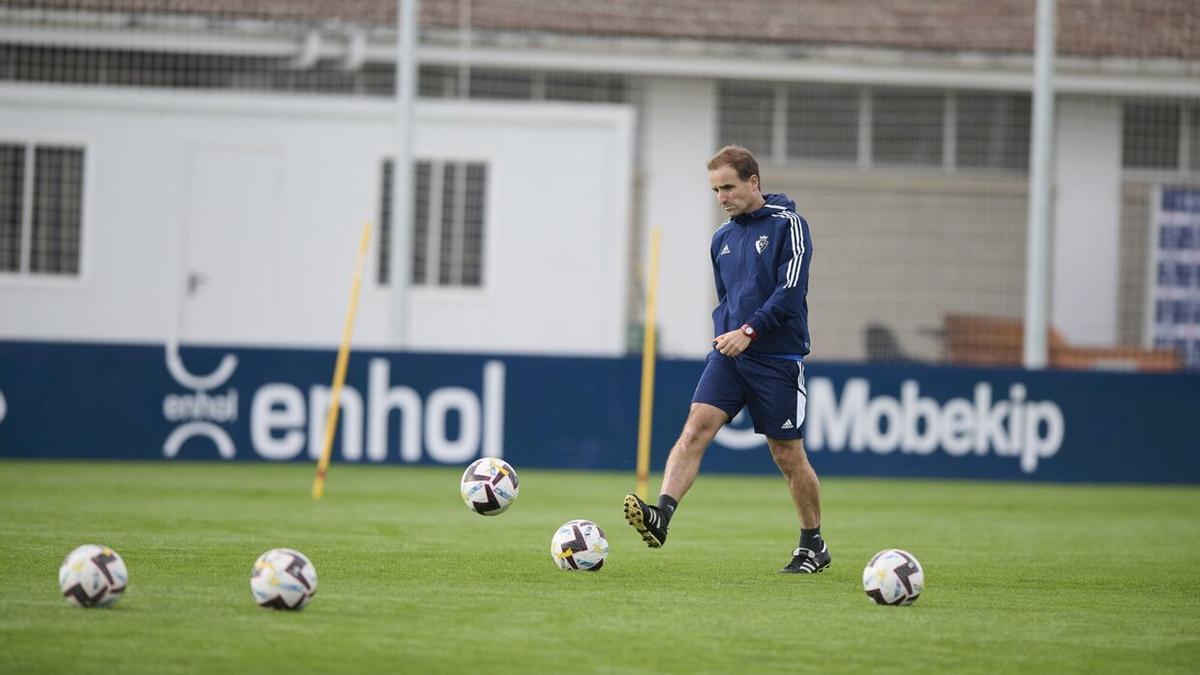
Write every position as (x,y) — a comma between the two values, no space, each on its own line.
(489,486)
(283,578)
(579,545)
(893,577)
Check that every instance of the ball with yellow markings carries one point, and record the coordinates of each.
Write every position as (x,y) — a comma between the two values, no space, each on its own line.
(93,576)
(489,486)
(283,578)
(579,545)
(893,577)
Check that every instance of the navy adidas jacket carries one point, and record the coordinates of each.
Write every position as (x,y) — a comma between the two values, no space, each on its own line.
(760,261)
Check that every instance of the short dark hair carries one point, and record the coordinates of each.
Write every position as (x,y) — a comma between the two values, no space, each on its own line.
(739,158)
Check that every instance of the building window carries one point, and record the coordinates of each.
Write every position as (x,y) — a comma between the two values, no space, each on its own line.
(803,122)
(12,191)
(906,127)
(822,123)
(383,270)
(437,82)
(422,180)
(746,116)
(136,68)
(500,84)
(1194,139)
(1150,136)
(490,83)
(41,208)
(993,131)
(448,220)
(585,87)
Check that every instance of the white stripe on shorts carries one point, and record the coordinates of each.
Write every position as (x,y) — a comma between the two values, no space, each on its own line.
(801,394)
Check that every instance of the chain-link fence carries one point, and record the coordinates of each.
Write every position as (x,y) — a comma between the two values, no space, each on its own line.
(901,129)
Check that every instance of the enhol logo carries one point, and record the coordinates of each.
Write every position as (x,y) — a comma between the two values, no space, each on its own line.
(200,411)
(283,421)
(919,425)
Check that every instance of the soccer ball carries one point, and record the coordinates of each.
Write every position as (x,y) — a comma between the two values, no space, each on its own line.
(283,579)
(489,486)
(893,577)
(579,545)
(93,576)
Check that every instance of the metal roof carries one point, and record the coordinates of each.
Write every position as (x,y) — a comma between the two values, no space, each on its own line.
(1138,29)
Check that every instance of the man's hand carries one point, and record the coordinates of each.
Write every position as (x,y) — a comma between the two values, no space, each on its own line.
(732,343)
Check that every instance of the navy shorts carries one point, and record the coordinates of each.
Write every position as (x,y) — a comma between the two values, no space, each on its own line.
(773,390)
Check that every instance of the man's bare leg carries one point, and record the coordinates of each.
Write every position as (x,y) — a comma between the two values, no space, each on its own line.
(812,555)
(703,423)
(683,464)
(792,460)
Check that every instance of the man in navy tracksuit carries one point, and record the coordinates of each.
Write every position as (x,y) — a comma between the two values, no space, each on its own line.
(760,259)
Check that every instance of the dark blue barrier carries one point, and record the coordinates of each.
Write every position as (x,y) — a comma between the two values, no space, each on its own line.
(151,402)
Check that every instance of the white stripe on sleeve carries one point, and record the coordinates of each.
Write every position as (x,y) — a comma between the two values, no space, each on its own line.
(793,271)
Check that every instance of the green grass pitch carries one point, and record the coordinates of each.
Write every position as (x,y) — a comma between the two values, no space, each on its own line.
(1019,578)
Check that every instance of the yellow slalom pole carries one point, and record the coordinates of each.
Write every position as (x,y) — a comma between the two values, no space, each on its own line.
(339,370)
(646,414)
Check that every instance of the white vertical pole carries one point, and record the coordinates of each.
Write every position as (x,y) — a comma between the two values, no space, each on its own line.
(778,148)
(464,49)
(866,114)
(950,132)
(407,13)
(26,251)
(1037,273)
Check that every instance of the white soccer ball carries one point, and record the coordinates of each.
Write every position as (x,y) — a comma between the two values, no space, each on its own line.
(489,486)
(283,579)
(579,545)
(893,577)
(93,576)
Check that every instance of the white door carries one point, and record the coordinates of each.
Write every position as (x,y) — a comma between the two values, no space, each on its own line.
(235,221)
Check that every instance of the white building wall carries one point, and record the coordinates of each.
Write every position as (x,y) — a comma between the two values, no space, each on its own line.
(1087,214)
(264,197)
(679,128)
(556,268)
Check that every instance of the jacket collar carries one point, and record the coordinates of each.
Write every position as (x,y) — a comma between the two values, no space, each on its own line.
(775,200)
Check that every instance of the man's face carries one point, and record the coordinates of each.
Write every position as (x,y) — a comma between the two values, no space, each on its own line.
(736,196)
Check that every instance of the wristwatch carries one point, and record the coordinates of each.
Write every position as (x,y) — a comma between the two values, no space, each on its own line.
(749,331)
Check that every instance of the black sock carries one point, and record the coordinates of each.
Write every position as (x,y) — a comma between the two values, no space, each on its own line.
(666,508)
(811,539)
